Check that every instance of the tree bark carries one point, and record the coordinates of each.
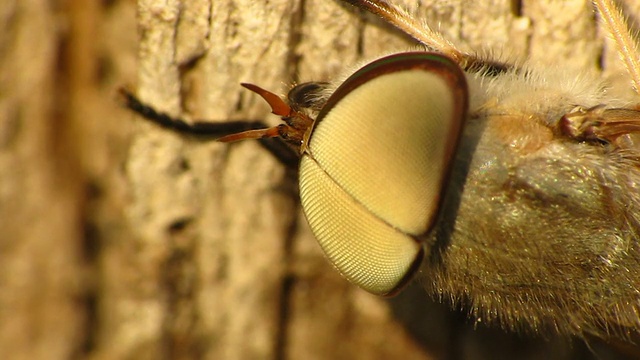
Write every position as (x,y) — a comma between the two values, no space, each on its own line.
(123,240)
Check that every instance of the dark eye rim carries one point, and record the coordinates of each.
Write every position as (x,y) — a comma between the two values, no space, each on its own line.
(427,61)
(410,274)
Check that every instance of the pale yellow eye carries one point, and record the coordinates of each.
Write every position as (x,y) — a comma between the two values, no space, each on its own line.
(372,176)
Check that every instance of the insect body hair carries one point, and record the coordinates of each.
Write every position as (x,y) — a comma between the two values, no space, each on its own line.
(545,235)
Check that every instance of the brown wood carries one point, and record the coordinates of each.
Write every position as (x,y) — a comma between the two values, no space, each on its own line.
(122,240)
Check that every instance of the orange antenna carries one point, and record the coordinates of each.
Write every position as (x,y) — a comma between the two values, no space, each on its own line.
(292,131)
(252,134)
(278,106)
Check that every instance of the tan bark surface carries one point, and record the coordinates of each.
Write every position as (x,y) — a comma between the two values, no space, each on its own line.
(119,240)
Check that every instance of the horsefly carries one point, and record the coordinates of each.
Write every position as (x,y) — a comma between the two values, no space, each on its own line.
(511,188)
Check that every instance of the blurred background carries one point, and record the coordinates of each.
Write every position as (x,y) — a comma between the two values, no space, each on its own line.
(119,240)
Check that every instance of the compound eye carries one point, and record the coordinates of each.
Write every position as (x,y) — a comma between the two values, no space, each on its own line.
(377,163)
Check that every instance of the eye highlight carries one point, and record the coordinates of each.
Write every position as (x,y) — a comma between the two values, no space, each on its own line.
(376,163)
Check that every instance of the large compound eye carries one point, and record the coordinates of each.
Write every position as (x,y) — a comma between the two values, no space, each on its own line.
(377,162)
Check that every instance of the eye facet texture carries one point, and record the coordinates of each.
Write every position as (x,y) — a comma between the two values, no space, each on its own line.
(372,176)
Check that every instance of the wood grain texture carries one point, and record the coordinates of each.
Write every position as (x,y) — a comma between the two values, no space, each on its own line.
(122,240)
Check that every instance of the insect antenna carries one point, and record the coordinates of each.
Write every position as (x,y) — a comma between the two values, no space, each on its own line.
(428,37)
(617,28)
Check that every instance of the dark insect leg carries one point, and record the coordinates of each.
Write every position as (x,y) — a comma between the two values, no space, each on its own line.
(210,131)
(202,129)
